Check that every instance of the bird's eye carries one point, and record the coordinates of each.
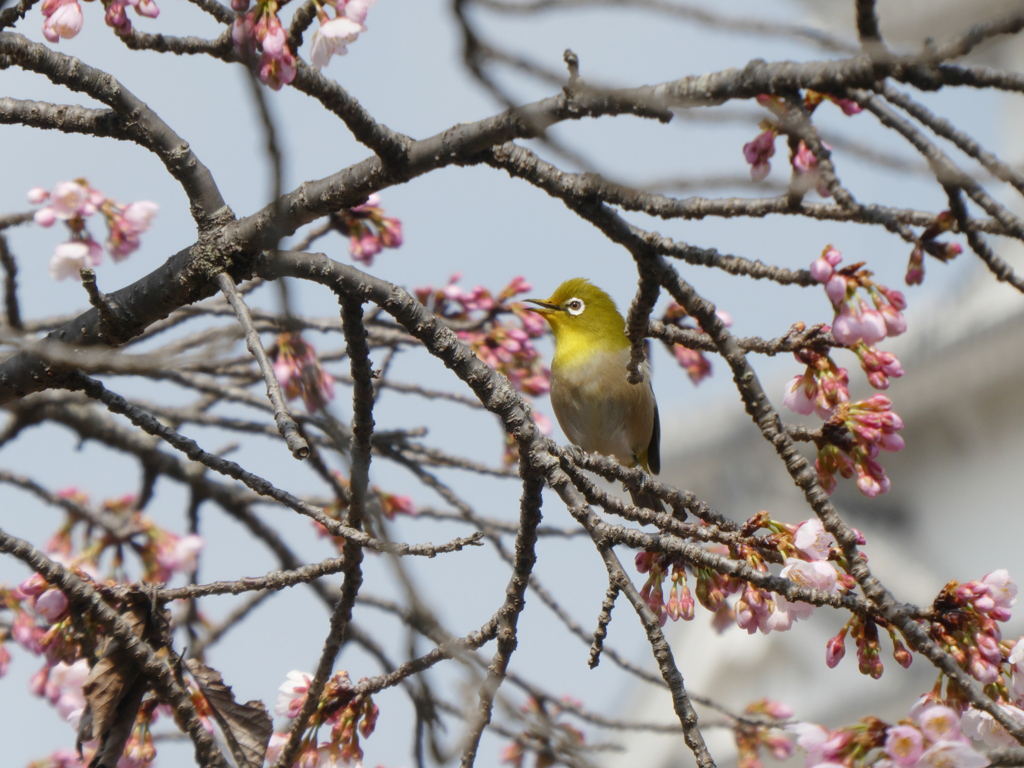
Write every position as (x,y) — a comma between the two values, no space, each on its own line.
(575,306)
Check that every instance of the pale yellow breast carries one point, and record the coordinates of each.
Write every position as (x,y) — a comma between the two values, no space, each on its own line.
(597,407)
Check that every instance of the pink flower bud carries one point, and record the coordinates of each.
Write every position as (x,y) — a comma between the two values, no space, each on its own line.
(902,655)
(391,232)
(242,34)
(821,270)
(33,586)
(37,683)
(757,153)
(52,605)
(890,442)
(848,106)
(147,8)
(872,324)
(895,323)
(686,603)
(835,289)
(982,670)
(45,217)
(797,397)
(847,329)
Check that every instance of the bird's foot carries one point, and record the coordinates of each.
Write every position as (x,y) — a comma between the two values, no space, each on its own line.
(574,453)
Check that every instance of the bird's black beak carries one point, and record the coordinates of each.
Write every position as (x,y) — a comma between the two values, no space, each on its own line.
(546,307)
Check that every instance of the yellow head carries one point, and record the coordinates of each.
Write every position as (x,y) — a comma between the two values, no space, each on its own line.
(583,318)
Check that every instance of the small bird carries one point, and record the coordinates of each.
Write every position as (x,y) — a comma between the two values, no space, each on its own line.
(595,404)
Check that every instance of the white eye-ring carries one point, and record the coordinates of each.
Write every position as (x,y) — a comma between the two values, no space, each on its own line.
(575,306)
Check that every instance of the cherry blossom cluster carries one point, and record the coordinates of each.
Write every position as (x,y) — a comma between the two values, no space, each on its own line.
(752,739)
(63,18)
(349,714)
(854,432)
(965,622)
(811,562)
(72,202)
(259,31)
(478,318)
(369,231)
(931,737)
(858,432)
(41,622)
(761,149)
(299,372)
(255,31)
(820,389)
(336,32)
(938,733)
(864,631)
(62,686)
(926,243)
(544,734)
(857,324)
(693,361)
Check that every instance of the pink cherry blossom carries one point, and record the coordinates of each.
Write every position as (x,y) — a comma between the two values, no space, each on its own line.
(811,738)
(357,9)
(70,199)
(980,725)
(939,723)
(64,689)
(63,18)
(1016,661)
(818,575)
(126,225)
(1003,590)
(332,39)
(904,745)
(292,694)
(813,540)
(182,553)
(952,754)
(277,740)
(71,257)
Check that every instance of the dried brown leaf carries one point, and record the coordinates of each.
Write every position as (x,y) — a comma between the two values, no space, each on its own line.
(247,727)
(114,688)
